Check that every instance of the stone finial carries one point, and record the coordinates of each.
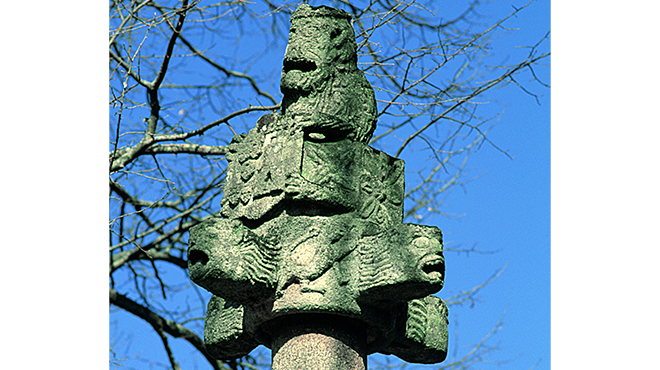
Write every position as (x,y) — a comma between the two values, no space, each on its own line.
(310,234)
(324,91)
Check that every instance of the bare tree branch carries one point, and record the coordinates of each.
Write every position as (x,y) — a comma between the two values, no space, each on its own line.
(161,324)
(469,295)
(126,156)
(155,84)
(166,97)
(226,71)
(189,148)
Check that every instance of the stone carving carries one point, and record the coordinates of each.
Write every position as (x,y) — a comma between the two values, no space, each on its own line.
(324,91)
(311,217)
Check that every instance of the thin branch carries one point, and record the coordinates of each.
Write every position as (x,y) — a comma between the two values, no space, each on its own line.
(131,14)
(170,46)
(209,126)
(474,93)
(478,352)
(447,59)
(128,155)
(119,259)
(127,198)
(130,70)
(164,223)
(188,148)
(161,324)
(469,295)
(168,350)
(152,255)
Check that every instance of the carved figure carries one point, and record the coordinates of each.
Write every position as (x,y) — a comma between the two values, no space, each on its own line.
(324,91)
(229,260)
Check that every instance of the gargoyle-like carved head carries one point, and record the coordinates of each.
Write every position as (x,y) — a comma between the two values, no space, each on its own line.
(403,264)
(321,39)
(426,249)
(324,91)
(229,260)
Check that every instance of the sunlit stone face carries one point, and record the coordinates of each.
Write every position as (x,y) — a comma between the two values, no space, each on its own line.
(317,45)
(427,251)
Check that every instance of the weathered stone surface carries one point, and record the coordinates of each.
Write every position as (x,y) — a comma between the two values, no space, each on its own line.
(423,337)
(404,263)
(270,172)
(324,91)
(231,261)
(224,332)
(309,250)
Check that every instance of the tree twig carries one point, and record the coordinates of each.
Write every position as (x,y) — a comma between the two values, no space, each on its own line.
(161,324)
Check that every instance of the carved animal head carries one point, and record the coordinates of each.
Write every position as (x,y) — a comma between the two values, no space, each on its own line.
(426,249)
(229,260)
(321,40)
(324,91)
(402,264)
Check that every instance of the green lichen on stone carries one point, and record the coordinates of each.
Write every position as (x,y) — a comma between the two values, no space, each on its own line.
(311,217)
(324,91)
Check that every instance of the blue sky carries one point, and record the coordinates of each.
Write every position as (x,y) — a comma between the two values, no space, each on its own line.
(506,211)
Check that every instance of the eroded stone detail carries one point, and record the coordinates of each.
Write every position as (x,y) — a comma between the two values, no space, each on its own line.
(311,217)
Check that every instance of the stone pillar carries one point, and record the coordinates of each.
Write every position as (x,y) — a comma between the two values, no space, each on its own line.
(317,342)
(309,254)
